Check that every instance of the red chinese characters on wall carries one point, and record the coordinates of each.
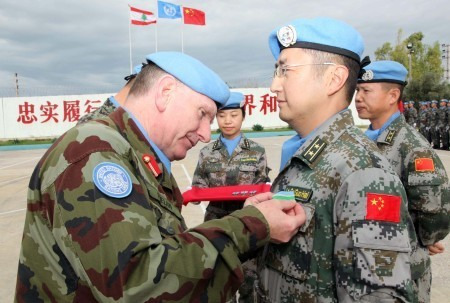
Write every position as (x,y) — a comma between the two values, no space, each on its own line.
(267,104)
(70,111)
(26,113)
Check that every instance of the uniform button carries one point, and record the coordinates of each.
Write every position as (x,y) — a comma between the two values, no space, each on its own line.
(170,230)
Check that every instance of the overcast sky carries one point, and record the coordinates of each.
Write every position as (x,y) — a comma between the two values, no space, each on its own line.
(80,46)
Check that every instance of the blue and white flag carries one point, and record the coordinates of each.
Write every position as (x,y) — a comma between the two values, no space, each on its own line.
(168,10)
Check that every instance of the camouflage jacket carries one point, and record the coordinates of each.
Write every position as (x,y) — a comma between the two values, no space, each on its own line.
(81,245)
(101,112)
(423,119)
(426,183)
(247,165)
(432,117)
(442,116)
(347,251)
(412,116)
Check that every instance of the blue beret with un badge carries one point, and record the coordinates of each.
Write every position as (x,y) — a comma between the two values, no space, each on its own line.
(323,34)
(384,71)
(236,100)
(193,74)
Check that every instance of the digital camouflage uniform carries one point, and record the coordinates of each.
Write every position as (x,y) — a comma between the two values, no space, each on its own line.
(101,112)
(412,116)
(433,124)
(246,165)
(428,193)
(423,121)
(344,252)
(446,144)
(441,124)
(80,245)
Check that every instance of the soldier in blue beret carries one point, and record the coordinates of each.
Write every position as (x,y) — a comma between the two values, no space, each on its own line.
(104,219)
(232,159)
(352,247)
(433,124)
(442,124)
(113,102)
(412,114)
(379,90)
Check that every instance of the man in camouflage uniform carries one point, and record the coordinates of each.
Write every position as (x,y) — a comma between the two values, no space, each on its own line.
(354,246)
(418,166)
(433,124)
(104,217)
(112,102)
(406,110)
(412,116)
(232,159)
(423,119)
(442,123)
(447,128)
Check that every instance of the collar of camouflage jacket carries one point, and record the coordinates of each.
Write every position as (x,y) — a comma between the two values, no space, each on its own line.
(388,135)
(322,137)
(243,143)
(141,146)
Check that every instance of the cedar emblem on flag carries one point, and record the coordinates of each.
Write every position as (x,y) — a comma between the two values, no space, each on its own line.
(383,207)
(424,164)
(141,17)
(193,16)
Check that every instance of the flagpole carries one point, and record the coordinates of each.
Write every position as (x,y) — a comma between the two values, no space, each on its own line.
(156,27)
(182,30)
(129,38)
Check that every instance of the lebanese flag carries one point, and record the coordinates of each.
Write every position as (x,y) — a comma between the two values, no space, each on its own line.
(193,16)
(382,207)
(141,17)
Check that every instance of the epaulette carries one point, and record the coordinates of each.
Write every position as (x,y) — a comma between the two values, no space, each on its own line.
(314,150)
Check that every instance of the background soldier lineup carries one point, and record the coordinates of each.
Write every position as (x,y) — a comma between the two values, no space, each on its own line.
(104,216)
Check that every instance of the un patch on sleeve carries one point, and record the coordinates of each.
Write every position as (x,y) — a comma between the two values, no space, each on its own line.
(112,180)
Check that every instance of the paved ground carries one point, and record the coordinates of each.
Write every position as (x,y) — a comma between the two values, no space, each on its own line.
(16,168)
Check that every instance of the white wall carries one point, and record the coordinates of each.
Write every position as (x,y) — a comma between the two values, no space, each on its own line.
(44,117)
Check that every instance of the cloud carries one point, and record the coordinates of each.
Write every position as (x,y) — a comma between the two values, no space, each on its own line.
(83,46)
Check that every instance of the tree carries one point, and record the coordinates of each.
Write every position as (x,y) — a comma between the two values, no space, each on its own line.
(427,71)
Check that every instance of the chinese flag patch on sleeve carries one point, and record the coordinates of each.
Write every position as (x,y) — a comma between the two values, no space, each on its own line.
(383,207)
(424,164)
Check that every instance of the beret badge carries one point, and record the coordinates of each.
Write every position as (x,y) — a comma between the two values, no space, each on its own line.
(368,75)
(287,35)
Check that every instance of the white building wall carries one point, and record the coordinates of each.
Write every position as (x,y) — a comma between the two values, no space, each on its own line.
(51,116)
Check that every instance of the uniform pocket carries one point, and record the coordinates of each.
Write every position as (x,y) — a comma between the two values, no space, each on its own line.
(381,253)
(424,192)
(294,258)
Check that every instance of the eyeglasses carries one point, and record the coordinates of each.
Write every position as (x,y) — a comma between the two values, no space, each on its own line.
(280,70)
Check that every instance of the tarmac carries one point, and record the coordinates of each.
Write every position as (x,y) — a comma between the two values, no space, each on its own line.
(16,168)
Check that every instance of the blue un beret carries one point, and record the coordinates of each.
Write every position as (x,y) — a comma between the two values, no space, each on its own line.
(193,74)
(236,100)
(384,71)
(323,34)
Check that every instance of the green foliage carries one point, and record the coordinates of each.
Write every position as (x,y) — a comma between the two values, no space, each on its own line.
(257,127)
(427,72)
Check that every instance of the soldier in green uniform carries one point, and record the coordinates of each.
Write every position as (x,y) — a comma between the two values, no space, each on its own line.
(406,112)
(354,246)
(442,123)
(434,119)
(423,119)
(113,102)
(412,114)
(103,220)
(419,167)
(447,128)
(232,159)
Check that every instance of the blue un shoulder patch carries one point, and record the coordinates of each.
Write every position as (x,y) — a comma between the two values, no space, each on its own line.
(112,180)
